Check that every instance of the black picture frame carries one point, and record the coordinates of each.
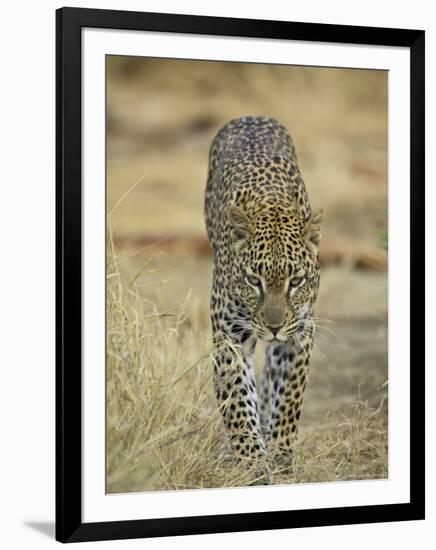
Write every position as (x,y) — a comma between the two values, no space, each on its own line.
(69,525)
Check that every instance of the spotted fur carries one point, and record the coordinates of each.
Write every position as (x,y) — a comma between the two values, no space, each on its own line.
(265,238)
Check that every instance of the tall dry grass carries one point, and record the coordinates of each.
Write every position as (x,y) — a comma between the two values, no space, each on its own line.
(163,428)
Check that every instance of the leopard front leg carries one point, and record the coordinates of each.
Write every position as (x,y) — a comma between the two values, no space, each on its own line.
(288,367)
(265,399)
(235,388)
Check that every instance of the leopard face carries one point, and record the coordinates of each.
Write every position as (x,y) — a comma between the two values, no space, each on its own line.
(275,269)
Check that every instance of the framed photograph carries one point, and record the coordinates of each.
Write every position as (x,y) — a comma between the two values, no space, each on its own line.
(240,275)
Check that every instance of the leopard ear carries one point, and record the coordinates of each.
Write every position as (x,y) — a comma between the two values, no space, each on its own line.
(312,229)
(240,227)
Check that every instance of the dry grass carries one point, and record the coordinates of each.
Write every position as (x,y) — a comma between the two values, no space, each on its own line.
(163,427)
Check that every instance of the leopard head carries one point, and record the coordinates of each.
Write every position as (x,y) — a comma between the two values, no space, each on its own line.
(275,268)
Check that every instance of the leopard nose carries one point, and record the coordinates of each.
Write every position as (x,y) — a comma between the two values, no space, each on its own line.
(274,329)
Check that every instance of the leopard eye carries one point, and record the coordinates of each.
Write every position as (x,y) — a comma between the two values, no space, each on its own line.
(253,281)
(296,282)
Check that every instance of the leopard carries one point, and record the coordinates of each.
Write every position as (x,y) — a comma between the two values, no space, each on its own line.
(265,241)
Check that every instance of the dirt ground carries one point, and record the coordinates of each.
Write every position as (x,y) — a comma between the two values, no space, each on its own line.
(162,116)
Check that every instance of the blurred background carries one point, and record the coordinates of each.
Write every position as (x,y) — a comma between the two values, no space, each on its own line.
(161,118)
